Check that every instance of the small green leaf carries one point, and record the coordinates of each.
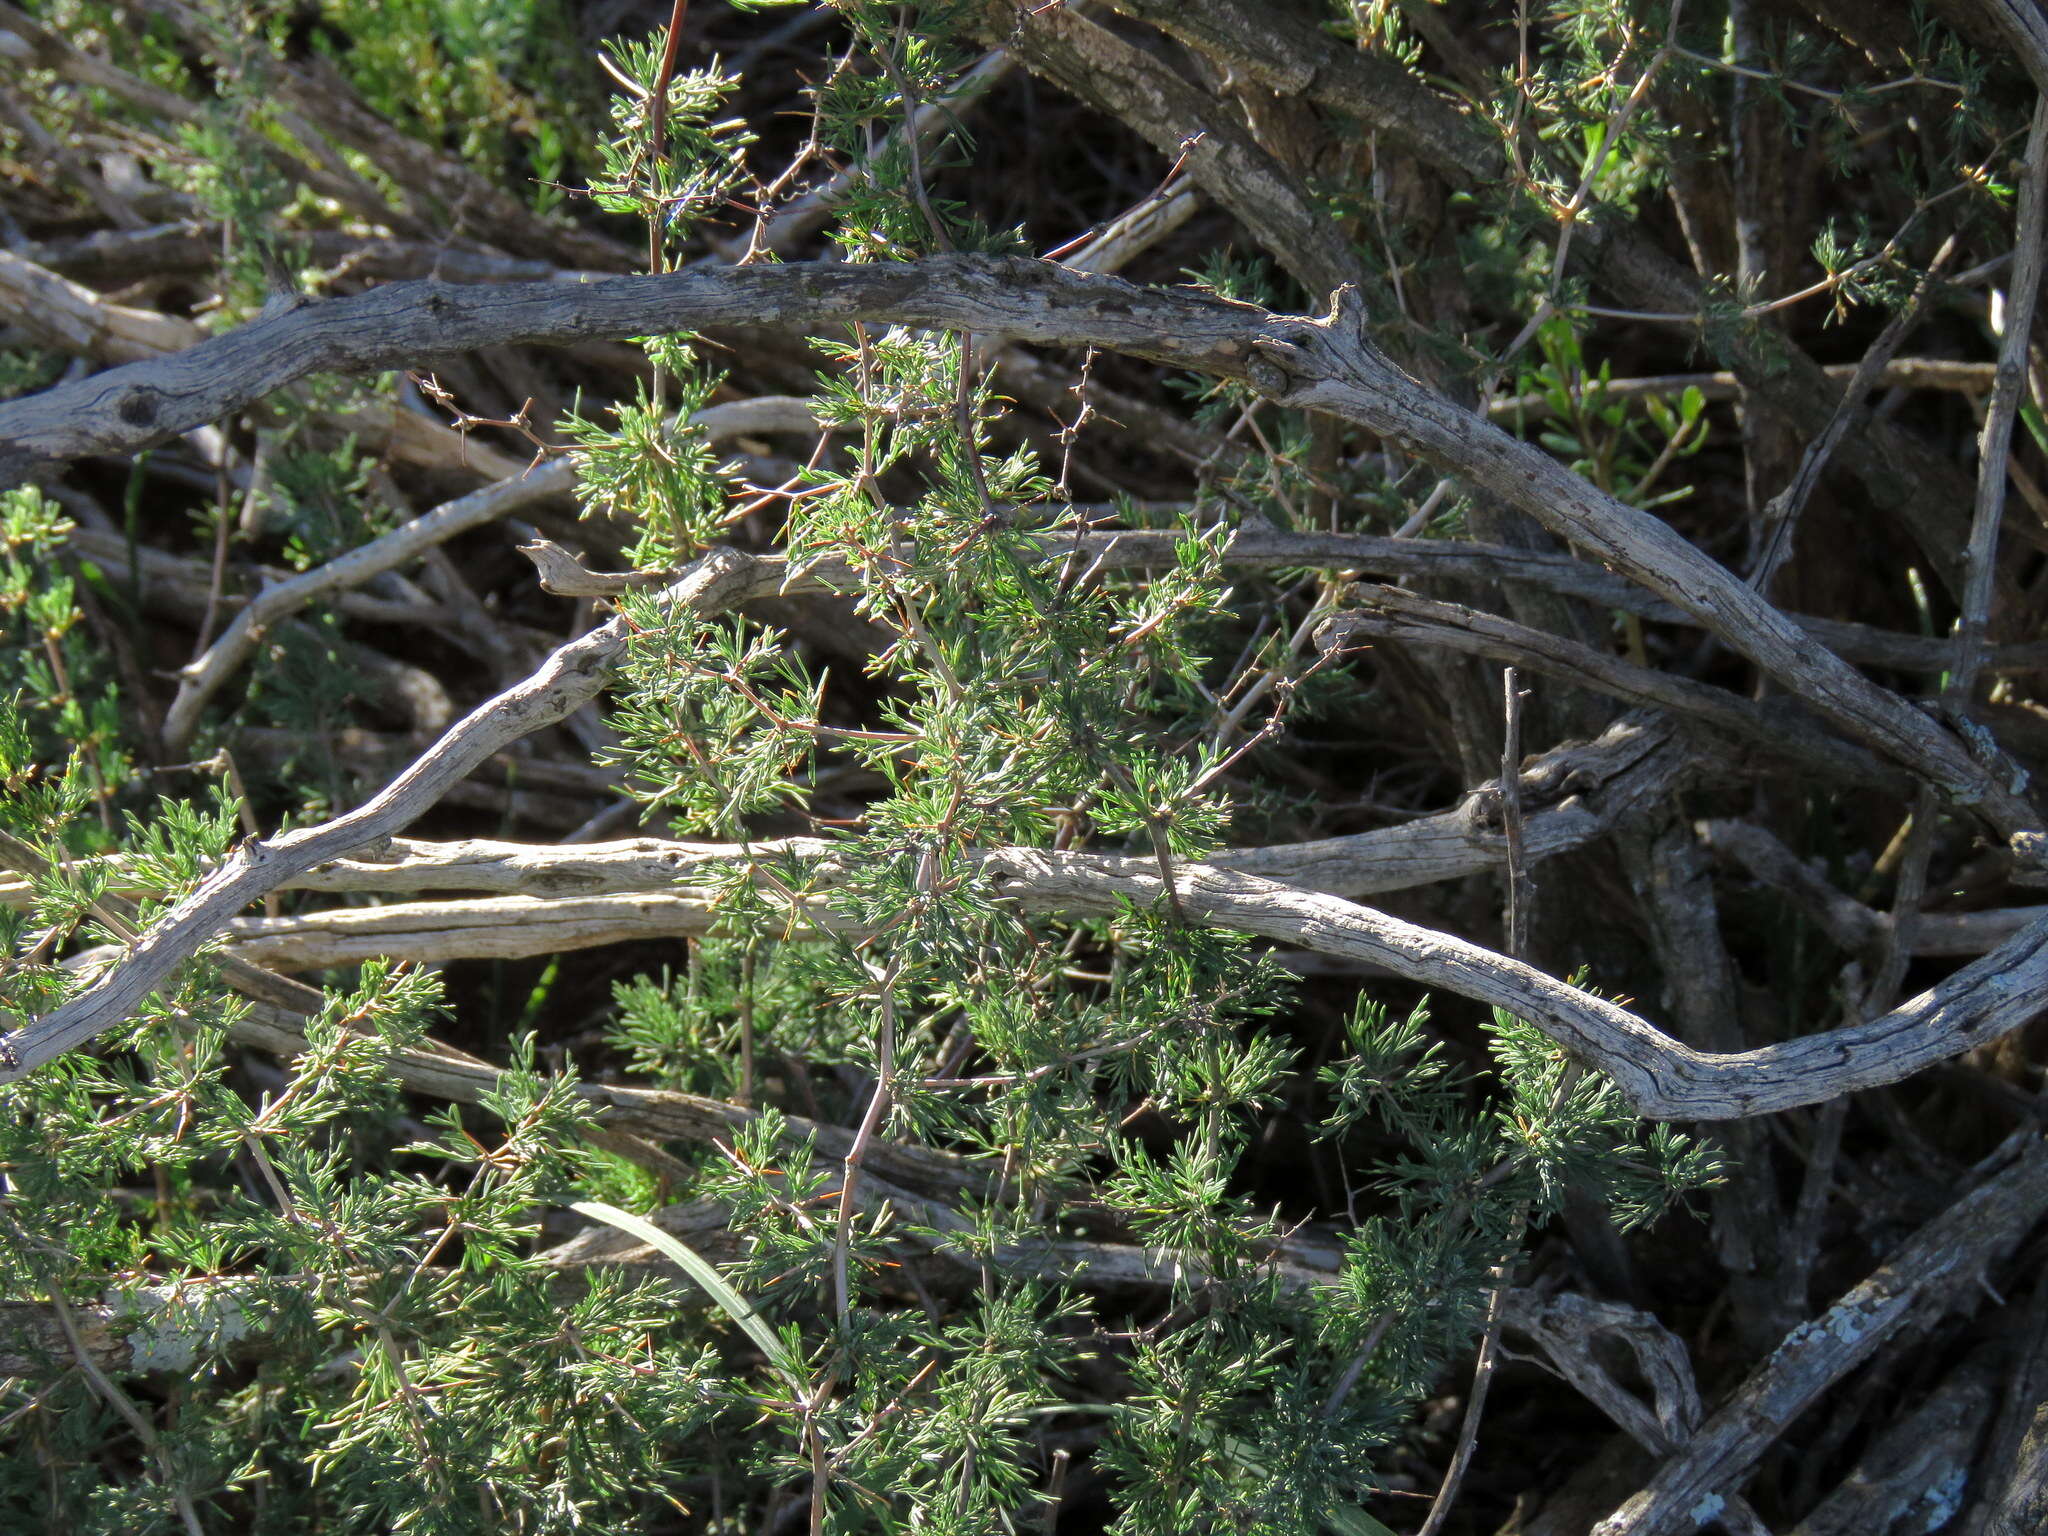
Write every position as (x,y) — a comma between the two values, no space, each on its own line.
(2030,413)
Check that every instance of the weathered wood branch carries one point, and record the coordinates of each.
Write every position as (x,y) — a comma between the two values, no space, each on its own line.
(1572,795)
(570,678)
(129,408)
(1659,1077)
(1374,611)
(1327,365)
(1919,1459)
(1938,1264)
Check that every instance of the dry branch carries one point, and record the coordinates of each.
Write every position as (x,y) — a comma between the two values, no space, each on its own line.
(1328,365)
(1915,1465)
(203,678)
(1221,153)
(1658,1076)
(1790,733)
(570,678)
(1572,795)
(1931,1272)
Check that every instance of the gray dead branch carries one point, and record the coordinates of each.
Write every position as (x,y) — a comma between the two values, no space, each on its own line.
(1327,364)
(1938,1269)
(1659,1076)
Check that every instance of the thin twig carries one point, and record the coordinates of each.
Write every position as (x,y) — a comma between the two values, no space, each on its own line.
(1996,442)
(870,1124)
(117,1400)
(1781,514)
(1482,1384)
(1519,889)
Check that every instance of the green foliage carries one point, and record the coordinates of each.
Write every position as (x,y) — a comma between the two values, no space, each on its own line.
(717,720)
(63,748)
(24,370)
(1625,453)
(939,1112)
(233,183)
(653,470)
(500,94)
(321,504)
(703,159)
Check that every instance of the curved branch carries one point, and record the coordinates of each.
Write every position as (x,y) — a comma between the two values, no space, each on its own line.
(126,409)
(570,678)
(1788,734)
(1661,1078)
(1327,365)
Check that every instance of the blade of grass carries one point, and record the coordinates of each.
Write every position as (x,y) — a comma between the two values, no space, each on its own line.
(701,1270)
